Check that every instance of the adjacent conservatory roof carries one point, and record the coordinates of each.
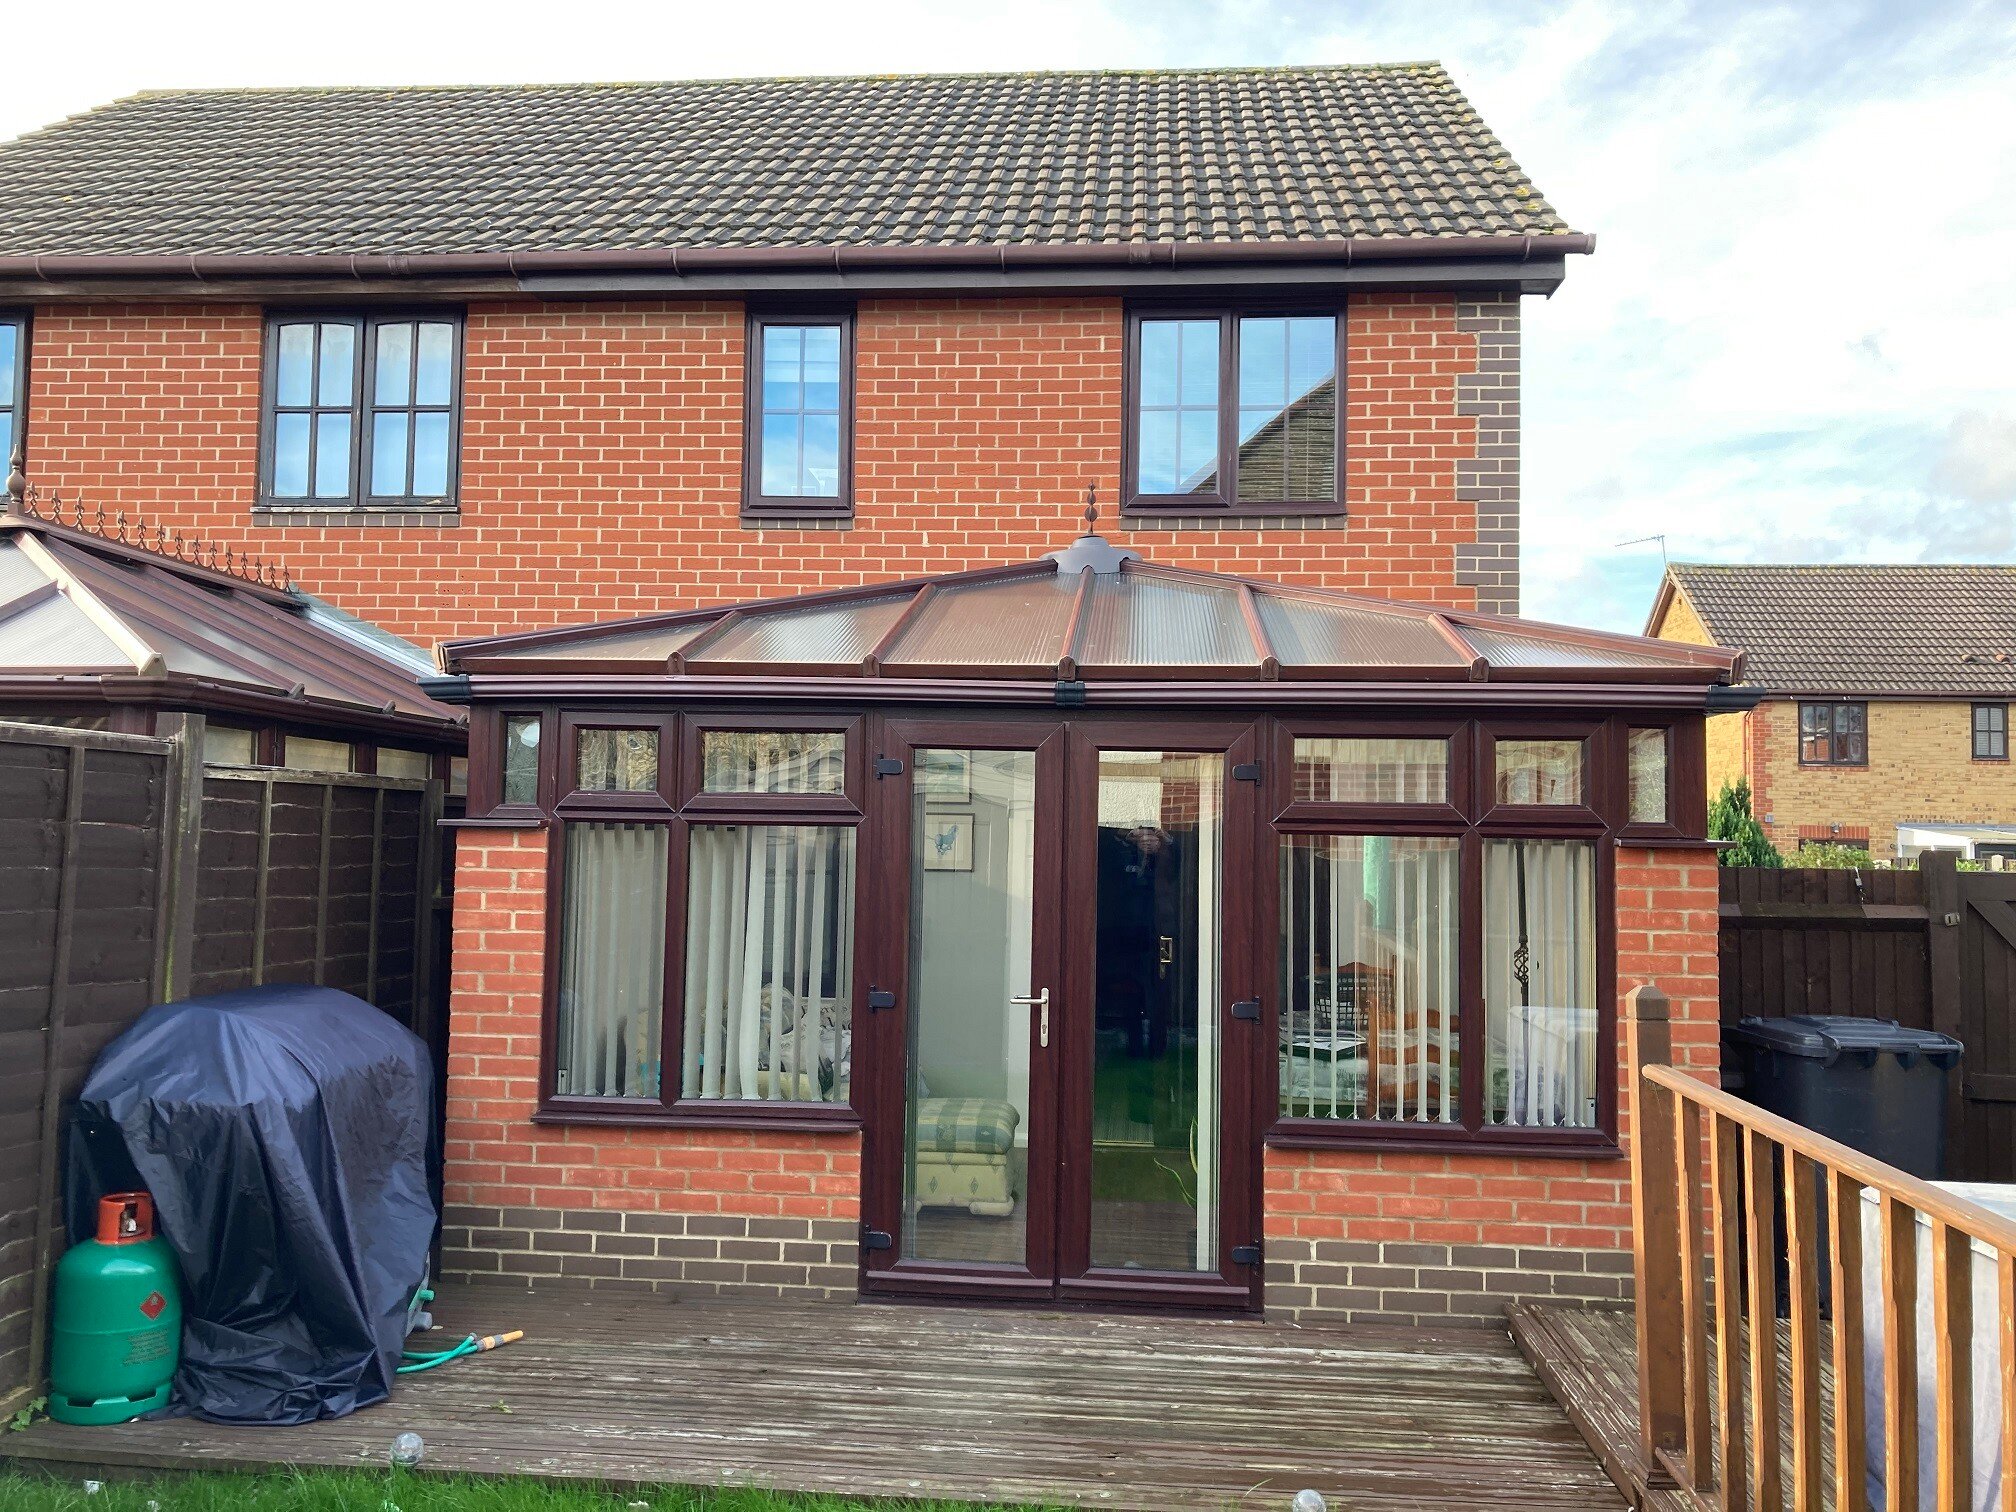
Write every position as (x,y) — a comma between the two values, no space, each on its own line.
(1089,613)
(80,611)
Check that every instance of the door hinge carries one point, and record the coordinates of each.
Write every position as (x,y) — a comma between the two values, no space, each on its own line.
(874,1239)
(881,997)
(888,766)
(1246,1008)
(1245,1254)
(1246,771)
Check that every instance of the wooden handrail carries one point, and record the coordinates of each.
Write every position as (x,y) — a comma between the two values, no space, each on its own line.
(1714,1178)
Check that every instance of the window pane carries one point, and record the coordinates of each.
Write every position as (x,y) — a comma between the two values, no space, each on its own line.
(822,457)
(228,746)
(1160,348)
(611,1002)
(1157,467)
(616,761)
(521,759)
(337,366)
(769,953)
(436,364)
(394,384)
(1369,952)
(1288,409)
(458,776)
(1197,456)
(306,755)
(1178,421)
(1353,770)
(294,378)
(1539,771)
(290,456)
(10,357)
(388,453)
(6,437)
(1648,776)
(822,368)
(783,368)
(1540,983)
(773,761)
(393,762)
(780,455)
(972,918)
(332,456)
(1198,343)
(430,455)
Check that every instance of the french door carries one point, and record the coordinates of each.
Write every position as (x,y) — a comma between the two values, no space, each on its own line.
(1060,1012)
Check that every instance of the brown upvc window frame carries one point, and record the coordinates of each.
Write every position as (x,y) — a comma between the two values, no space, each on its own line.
(679,804)
(1834,735)
(1225,501)
(366,325)
(1474,819)
(757,506)
(14,395)
(1997,733)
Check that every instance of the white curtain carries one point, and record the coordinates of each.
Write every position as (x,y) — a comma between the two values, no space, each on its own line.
(1369,945)
(769,959)
(612,960)
(1540,982)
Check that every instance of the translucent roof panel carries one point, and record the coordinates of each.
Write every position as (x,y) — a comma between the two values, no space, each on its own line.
(1310,632)
(653,643)
(823,634)
(1504,649)
(1139,620)
(1009,622)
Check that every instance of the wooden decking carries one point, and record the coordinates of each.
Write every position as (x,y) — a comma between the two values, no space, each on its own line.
(1056,1408)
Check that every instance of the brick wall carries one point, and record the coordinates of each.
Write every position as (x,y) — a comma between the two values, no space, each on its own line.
(1728,734)
(1453,1238)
(602,455)
(685,1209)
(1921,770)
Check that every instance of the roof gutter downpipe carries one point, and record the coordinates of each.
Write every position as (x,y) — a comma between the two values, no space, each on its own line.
(678,261)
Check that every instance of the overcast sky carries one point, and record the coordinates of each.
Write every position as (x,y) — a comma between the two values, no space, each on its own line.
(1796,342)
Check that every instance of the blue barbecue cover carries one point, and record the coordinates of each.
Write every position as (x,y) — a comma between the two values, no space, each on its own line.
(285,1134)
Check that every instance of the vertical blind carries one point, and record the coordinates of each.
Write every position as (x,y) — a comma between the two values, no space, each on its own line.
(612,961)
(1369,1004)
(1540,982)
(769,947)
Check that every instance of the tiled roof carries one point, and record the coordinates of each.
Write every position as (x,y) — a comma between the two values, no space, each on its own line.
(1218,156)
(1851,629)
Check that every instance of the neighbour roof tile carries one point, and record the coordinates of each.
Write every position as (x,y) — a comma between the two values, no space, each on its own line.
(953,160)
(1948,630)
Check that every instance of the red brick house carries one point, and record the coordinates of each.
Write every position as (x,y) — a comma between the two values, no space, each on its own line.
(874,886)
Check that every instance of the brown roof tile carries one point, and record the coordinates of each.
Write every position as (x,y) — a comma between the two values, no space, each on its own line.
(1943,630)
(955,160)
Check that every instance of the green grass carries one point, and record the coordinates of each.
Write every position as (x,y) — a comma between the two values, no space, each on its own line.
(387,1490)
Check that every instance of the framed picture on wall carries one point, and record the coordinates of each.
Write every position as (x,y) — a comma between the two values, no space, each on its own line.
(948,842)
(945,776)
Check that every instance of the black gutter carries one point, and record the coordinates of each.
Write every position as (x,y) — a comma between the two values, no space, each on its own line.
(1739,700)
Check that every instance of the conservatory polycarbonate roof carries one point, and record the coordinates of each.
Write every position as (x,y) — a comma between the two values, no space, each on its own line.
(1091,612)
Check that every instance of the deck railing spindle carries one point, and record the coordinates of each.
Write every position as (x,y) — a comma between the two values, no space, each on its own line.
(1851,1463)
(1802,1258)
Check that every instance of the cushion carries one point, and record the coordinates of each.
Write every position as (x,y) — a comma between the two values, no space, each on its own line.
(970,1125)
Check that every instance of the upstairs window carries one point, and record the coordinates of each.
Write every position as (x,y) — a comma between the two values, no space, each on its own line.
(1991,732)
(1833,734)
(13,381)
(361,411)
(799,420)
(1234,411)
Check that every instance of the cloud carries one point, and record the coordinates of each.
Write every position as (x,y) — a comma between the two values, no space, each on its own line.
(1978,464)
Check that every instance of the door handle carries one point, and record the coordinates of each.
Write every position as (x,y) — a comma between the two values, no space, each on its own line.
(1041,1001)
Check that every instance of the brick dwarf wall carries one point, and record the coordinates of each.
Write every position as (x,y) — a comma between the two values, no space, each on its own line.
(685,1209)
(601,455)
(1453,1238)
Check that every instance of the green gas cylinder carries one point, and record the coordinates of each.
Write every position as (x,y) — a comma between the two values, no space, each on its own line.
(117,1330)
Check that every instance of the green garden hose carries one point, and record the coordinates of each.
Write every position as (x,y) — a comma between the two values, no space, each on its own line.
(420,1359)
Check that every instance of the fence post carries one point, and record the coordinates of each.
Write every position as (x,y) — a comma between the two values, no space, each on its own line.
(1656,1239)
(1945,913)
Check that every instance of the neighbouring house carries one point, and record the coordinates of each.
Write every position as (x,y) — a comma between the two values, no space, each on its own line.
(886,869)
(1883,696)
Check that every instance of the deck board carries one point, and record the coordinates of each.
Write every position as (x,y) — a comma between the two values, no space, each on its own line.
(1063,1408)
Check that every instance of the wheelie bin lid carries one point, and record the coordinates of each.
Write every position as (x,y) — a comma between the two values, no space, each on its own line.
(1828,1036)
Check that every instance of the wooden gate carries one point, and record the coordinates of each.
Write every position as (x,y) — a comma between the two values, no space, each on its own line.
(1933,949)
(132,875)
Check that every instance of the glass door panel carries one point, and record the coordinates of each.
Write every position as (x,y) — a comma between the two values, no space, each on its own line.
(1156,1060)
(967,1126)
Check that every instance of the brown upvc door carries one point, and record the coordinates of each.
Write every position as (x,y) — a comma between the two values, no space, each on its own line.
(1062,954)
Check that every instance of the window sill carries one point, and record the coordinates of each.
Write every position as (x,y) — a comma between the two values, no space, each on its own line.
(1246,516)
(498,822)
(771,1118)
(1628,841)
(797,519)
(362,517)
(1541,1144)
